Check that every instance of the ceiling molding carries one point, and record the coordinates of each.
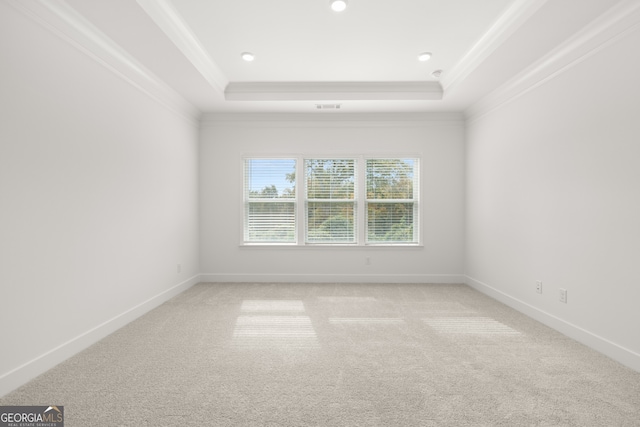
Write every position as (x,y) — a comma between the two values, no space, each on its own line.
(64,21)
(167,17)
(616,23)
(331,119)
(512,19)
(333,91)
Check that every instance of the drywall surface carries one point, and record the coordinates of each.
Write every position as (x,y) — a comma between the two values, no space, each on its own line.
(553,194)
(98,186)
(224,141)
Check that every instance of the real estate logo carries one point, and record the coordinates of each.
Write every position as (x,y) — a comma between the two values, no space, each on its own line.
(31,416)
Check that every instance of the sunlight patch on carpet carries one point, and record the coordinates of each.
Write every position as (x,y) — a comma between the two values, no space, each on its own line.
(270,331)
(272,305)
(346,299)
(443,307)
(469,325)
(366,320)
(274,324)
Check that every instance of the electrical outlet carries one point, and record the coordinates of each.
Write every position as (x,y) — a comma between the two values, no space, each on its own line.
(539,286)
(563,295)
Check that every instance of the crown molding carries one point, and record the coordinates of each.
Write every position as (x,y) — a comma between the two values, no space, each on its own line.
(331,119)
(333,91)
(64,21)
(512,19)
(167,17)
(616,23)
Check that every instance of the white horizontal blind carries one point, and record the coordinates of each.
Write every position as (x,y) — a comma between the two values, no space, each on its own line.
(269,200)
(392,200)
(330,205)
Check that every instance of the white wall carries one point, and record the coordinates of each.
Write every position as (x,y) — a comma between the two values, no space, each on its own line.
(440,140)
(553,194)
(98,187)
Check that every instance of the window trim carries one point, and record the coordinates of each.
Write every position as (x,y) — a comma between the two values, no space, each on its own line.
(354,200)
(245,203)
(360,202)
(416,200)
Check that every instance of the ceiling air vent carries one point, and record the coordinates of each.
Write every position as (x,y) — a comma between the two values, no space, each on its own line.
(328,106)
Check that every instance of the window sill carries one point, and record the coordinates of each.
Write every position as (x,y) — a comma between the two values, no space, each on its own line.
(332,246)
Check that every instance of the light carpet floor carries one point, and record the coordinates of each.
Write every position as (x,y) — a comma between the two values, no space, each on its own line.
(337,355)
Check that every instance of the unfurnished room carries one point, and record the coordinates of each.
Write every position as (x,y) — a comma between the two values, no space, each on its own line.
(319,213)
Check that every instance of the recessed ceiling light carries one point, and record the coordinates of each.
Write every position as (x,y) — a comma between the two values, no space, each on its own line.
(338,5)
(424,56)
(247,56)
(437,73)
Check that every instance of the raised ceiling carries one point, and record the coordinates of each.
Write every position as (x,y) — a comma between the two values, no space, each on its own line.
(364,59)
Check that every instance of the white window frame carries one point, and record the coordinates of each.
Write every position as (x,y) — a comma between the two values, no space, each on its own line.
(415,201)
(360,201)
(246,203)
(356,164)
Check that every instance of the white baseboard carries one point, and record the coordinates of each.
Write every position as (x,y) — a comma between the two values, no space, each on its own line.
(618,353)
(332,278)
(26,372)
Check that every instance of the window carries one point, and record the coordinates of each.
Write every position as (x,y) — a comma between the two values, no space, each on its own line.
(346,201)
(392,203)
(330,186)
(270,200)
